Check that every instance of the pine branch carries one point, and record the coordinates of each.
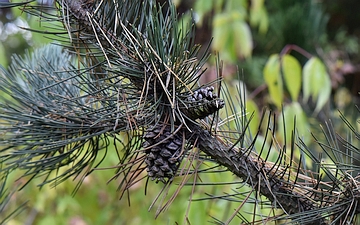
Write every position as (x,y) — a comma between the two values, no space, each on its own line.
(256,172)
(136,74)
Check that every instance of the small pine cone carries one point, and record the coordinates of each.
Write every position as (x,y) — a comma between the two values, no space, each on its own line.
(203,103)
(164,159)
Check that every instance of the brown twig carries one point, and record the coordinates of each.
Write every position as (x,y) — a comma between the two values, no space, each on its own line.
(258,173)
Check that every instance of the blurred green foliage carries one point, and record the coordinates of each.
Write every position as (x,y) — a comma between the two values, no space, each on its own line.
(275,76)
(97,201)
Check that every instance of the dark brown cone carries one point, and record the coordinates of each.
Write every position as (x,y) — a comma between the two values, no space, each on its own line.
(203,103)
(162,160)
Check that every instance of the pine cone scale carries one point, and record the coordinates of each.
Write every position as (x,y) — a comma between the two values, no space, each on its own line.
(163,151)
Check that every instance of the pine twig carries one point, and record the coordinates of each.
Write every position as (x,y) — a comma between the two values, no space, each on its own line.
(140,77)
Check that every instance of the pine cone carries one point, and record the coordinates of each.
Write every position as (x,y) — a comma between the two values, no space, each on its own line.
(162,160)
(203,103)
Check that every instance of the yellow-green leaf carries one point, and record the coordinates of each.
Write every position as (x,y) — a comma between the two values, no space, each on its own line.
(324,93)
(272,77)
(251,108)
(221,32)
(201,7)
(243,38)
(256,4)
(291,112)
(316,82)
(291,70)
(259,16)
(264,21)
(237,5)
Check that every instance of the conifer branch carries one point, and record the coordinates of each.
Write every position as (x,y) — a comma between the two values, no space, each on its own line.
(137,75)
(304,195)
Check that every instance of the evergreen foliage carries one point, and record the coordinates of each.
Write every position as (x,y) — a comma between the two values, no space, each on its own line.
(126,74)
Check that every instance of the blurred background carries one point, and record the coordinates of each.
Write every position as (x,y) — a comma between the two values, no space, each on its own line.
(245,34)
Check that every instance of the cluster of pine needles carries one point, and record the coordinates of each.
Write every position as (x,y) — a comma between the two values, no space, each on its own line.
(124,76)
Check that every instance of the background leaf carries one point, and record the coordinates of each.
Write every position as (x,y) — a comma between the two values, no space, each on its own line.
(291,70)
(252,108)
(316,82)
(221,32)
(243,38)
(258,16)
(290,112)
(202,7)
(324,91)
(272,77)
(232,35)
